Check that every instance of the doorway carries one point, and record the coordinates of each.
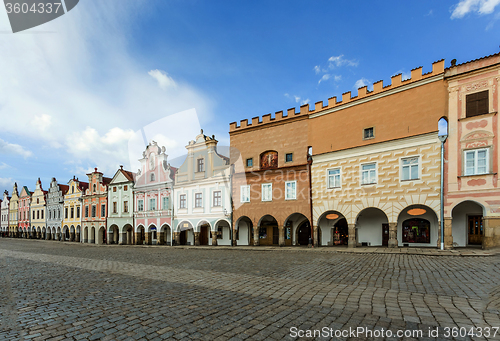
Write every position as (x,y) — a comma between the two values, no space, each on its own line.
(385,234)
(204,235)
(183,237)
(475,229)
(276,235)
(304,233)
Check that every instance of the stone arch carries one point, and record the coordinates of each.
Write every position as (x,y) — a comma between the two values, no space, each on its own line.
(244,231)
(467,223)
(127,235)
(411,231)
(185,233)
(101,236)
(372,225)
(333,228)
(113,234)
(296,225)
(204,222)
(221,234)
(268,230)
(165,235)
(140,234)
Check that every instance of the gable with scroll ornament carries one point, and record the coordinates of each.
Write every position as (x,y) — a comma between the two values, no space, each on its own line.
(478,135)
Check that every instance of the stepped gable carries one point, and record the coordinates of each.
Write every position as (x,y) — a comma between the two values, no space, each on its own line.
(363,92)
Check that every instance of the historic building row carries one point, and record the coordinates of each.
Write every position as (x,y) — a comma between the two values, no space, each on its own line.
(362,170)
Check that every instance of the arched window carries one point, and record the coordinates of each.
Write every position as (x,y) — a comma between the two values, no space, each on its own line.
(416,230)
(152,176)
(95,188)
(269,160)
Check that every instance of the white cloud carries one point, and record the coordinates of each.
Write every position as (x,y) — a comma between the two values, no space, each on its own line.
(337,61)
(163,79)
(305,101)
(82,83)
(317,69)
(4,165)
(324,78)
(6,183)
(297,98)
(337,78)
(13,149)
(481,7)
(91,149)
(363,82)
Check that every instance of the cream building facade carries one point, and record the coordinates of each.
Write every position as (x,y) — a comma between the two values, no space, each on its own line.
(38,211)
(72,213)
(14,213)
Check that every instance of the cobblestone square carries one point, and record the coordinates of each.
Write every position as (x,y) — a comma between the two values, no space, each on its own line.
(71,291)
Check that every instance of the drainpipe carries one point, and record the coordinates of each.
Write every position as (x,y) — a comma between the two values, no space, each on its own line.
(442,138)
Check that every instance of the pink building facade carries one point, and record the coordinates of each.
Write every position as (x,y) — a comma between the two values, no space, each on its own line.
(472,193)
(153,197)
(24,213)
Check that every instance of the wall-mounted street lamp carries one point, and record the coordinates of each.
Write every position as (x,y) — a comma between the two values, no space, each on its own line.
(442,135)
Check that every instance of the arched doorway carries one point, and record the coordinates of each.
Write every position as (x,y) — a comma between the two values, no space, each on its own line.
(223,232)
(141,238)
(332,225)
(165,237)
(128,235)
(304,233)
(418,225)
(186,233)
(44,233)
(113,235)
(373,227)
(72,234)
(297,230)
(102,236)
(78,234)
(268,231)
(244,231)
(85,234)
(467,224)
(152,235)
(92,239)
(204,233)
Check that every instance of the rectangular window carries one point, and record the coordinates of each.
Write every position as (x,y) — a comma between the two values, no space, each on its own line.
(115,207)
(267,192)
(93,211)
(103,211)
(368,133)
(42,214)
(72,212)
(34,215)
(217,202)
(152,204)
(368,174)
(77,212)
(245,193)
(114,189)
(164,203)
(409,168)
(476,162)
(334,178)
(201,165)
(198,200)
(86,211)
(125,188)
(289,157)
(125,207)
(476,104)
(290,190)
(250,162)
(140,205)
(182,201)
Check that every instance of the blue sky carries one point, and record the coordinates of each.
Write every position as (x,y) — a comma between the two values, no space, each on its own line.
(74,91)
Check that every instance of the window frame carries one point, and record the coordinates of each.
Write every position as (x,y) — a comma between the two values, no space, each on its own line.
(476,113)
(419,168)
(200,165)
(150,206)
(140,205)
(182,201)
(475,151)
(217,199)
(372,133)
(198,200)
(270,184)
(328,177)
(362,170)
(295,190)
(247,161)
(286,157)
(247,189)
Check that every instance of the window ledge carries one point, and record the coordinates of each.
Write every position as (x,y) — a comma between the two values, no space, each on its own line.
(410,180)
(475,175)
(477,116)
(368,184)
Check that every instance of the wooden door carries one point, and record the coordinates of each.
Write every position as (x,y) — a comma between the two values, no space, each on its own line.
(276,235)
(204,235)
(475,227)
(183,238)
(385,234)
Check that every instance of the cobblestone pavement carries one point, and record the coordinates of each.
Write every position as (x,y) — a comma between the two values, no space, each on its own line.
(62,291)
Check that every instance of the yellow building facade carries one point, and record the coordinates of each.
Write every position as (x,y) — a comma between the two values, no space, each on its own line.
(72,213)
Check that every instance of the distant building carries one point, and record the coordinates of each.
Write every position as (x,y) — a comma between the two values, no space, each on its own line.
(38,211)
(202,200)
(55,208)
(24,213)
(153,197)
(14,230)
(95,206)
(72,214)
(121,208)
(5,214)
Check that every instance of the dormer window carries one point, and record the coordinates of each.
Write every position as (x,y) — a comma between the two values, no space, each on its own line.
(200,165)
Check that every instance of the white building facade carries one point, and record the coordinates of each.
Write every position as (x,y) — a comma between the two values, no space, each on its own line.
(120,219)
(4,227)
(202,196)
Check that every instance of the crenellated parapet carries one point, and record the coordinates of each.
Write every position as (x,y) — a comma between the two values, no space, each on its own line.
(347,98)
